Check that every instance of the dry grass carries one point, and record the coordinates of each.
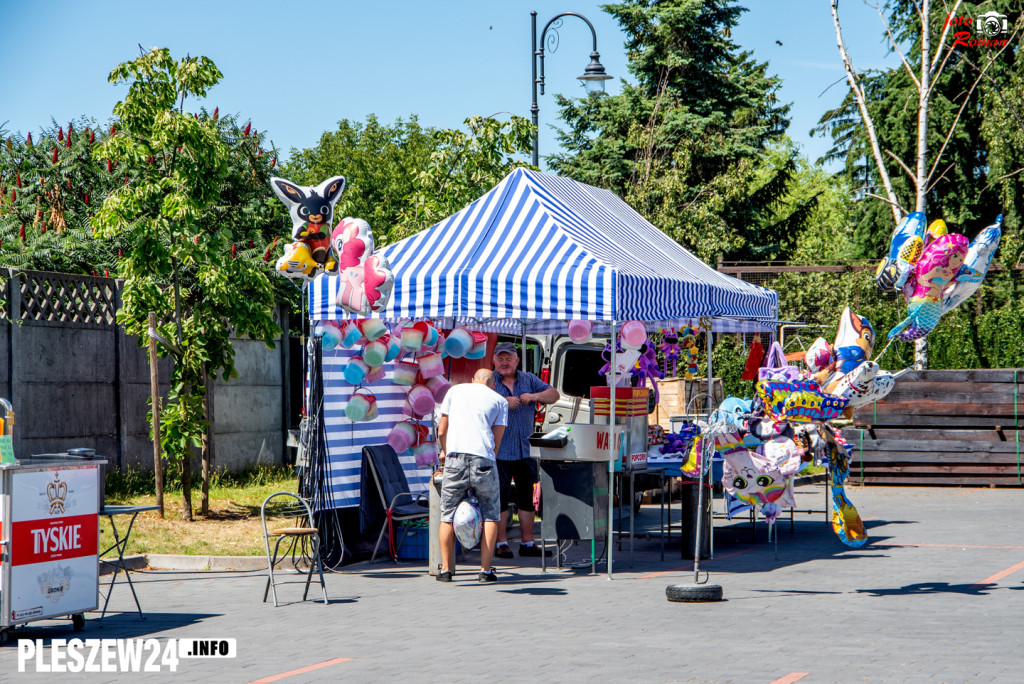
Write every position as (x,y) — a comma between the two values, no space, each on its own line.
(231,529)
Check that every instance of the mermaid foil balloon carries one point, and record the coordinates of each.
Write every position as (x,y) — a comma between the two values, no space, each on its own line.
(939,263)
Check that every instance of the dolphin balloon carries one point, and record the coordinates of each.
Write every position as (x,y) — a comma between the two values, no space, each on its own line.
(975,267)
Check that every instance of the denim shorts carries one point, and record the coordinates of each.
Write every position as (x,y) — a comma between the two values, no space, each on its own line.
(463,472)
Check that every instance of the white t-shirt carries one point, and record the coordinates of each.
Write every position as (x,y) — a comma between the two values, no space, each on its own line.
(473,409)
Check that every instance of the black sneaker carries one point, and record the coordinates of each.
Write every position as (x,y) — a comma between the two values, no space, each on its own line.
(503,551)
(443,577)
(533,551)
(489,576)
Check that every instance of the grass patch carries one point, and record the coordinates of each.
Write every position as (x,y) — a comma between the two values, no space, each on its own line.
(231,529)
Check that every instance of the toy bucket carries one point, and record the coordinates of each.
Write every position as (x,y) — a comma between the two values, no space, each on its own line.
(421,400)
(362,405)
(426,454)
(402,436)
(356,370)
(372,328)
(350,335)
(458,343)
(633,335)
(375,353)
(438,387)
(430,365)
(405,373)
(580,331)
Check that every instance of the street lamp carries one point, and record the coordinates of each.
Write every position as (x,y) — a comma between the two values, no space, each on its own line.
(593,76)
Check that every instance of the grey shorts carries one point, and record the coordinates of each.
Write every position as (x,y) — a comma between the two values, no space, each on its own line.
(463,472)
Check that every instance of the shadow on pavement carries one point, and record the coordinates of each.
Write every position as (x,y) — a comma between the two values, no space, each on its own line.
(932,588)
(114,625)
(537,591)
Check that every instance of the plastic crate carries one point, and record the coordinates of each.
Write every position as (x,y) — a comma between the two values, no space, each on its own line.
(416,544)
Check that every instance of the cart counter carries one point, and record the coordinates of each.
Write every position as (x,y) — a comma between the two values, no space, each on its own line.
(49,529)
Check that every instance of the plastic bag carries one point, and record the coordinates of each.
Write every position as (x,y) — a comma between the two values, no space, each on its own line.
(469,524)
(775,367)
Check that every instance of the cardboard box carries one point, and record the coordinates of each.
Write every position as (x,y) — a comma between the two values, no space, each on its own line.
(629,401)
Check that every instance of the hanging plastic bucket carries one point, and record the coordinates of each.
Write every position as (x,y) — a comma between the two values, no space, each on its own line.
(580,331)
(633,335)
(362,405)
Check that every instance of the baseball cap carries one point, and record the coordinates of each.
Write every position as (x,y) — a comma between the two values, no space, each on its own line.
(504,348)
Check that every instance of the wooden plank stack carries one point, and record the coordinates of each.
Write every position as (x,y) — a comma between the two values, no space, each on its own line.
(676,394)
(943,427)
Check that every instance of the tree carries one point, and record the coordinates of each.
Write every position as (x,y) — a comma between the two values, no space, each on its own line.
(403,178)
(50,187)
(697,145)
(462,167)
(918,123)
(380,163)
(180,262)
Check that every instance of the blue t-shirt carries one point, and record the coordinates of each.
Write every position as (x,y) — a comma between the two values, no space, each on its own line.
(515,445)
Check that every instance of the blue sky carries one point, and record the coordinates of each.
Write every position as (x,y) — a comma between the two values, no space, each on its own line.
(295,69)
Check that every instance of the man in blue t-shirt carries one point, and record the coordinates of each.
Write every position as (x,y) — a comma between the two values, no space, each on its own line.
(523,391)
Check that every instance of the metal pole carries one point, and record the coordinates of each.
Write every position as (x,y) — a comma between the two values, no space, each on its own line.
(522,324)
(534,109)
(611,449)
(537,52)
(705,460)
(710,401)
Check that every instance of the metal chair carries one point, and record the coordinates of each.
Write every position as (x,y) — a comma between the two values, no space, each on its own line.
(303,540)
(392,485)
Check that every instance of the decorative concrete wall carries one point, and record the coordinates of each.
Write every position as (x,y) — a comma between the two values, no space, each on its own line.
(76,379)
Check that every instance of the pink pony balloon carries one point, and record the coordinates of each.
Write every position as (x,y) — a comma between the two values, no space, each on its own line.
(366,278)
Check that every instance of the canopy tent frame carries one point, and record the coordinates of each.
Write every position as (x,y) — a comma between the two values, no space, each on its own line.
(538,251)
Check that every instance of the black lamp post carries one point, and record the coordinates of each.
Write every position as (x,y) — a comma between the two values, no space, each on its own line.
(593,76)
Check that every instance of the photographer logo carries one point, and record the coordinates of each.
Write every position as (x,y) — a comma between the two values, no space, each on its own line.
(989,30)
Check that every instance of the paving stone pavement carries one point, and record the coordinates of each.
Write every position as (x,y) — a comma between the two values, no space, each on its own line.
(934,597)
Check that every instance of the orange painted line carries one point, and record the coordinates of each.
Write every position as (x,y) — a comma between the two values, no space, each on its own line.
(1000,575)
(301,670)
(790,678)
(954,546)
(683,568)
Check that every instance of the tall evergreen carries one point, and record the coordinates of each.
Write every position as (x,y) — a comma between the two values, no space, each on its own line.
(697,145)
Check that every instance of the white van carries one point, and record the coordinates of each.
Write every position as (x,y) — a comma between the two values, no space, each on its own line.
(571,368)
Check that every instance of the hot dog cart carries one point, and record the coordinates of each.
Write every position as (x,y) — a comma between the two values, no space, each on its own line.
(49,537)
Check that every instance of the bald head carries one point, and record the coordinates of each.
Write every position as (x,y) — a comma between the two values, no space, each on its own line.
(484,377)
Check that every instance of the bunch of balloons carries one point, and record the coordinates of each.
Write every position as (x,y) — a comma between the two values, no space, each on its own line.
(936,270)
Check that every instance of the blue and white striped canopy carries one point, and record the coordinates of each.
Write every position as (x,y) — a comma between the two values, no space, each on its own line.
(539,250)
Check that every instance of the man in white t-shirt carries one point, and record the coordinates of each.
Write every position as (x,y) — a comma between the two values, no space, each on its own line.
(473,419)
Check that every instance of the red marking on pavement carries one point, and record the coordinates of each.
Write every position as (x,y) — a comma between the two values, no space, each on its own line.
(954,546)
(683,568)
(1000,575)
(301,670)
(790,678)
